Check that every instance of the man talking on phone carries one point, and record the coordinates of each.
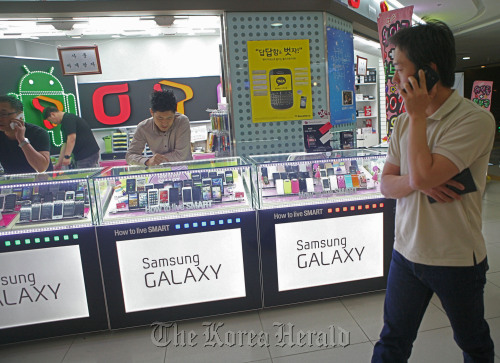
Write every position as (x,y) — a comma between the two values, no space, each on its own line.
(439,247)
(24,147)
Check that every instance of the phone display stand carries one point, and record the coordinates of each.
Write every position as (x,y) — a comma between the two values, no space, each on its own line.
(219,139)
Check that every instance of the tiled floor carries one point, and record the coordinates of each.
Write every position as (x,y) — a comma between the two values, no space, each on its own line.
(360,316)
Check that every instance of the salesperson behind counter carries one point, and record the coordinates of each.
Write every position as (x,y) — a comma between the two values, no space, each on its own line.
(167,133)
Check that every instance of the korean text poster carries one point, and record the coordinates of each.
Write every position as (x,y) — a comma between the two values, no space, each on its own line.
(341,76)
(280,80)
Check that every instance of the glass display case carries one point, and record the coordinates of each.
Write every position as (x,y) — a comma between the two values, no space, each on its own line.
(173,190)
(53,200)
(284,180)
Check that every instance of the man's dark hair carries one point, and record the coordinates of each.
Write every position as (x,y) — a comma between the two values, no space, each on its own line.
(162,101)
(14,102)
(426,43)
(48,110)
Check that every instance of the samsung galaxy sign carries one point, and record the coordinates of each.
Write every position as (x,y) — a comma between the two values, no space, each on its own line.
(42,285)
(168,271)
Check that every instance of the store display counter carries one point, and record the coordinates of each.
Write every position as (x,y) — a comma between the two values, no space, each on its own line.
(177,241)
(49,264)
(324,228)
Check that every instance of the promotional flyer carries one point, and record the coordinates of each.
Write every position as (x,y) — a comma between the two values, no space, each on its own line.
(341,76)
(41,285)
(280,80)
(329,251)
(167,271)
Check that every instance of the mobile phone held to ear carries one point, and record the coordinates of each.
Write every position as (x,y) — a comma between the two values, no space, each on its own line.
(431,77)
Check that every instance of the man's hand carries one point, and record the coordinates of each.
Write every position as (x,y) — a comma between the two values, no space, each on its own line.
(443,194)
(19,129)
(416,97)
(65,161)
(156,159)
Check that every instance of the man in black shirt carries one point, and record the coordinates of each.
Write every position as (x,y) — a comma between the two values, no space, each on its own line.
(24,147)
(79,139)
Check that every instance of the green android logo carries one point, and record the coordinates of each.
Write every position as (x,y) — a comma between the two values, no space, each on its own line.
(37,90)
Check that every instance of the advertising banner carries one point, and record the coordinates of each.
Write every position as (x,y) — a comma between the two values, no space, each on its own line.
(341,76)
(329,251)
(41,285)
(481,93)
(388,24)
(280,80)
(168,271)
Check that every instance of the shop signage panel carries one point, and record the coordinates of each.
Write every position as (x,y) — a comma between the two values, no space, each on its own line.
(167,271)
(41,285)
(280,80)
(329,251)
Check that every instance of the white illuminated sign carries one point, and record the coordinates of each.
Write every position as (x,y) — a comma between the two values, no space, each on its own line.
(42,285)
(178,270)
(329,251)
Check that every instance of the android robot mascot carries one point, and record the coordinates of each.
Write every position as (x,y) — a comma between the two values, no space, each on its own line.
(37,90)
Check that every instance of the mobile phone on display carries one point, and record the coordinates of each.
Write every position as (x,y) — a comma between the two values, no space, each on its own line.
(330,171)
(340,181)
(153,197)
(187,183)
(279,186)
(265,176)
(362,181)
(431,76)
(196,194)
(204,174)
(143,200)
(68,208)
(60,195)
(355,181)
(25,214)
(58,209)
(218,181)
(206,192)
(9,203)
(80,195)
(178,184)
(187,195)
(149,186)
(35,211)
(310,185)
(173,196)
(69,195)
(348,181)
(80,209)
(48,197)
(2,198)
(163,193)
(207,181)
(130,185)
(140,185)
(302,185)
(295,186)
(280,84)
(216,193)
(287,186)
(229,177)
(325,183)
(133,202)
(212,174)
(26,193)
(36,198)
(333,182)
(196,176)
(323,173)
(47,211)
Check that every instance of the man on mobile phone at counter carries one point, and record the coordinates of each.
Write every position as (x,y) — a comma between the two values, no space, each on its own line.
(166,132)
(24,147)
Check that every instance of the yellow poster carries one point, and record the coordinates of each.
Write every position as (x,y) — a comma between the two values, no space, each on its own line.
(280,80)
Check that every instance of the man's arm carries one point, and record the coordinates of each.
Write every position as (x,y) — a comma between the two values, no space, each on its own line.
(135,150)
(67,149)
(39,160)
(182,149)
(393,185)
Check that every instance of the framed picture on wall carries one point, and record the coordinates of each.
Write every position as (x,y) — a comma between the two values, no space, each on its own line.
(361,66)
(79,60)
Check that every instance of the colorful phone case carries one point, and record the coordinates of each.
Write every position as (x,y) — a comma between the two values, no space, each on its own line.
(287,186)
(295,186)
(340,181)
(348,181)
(355,181)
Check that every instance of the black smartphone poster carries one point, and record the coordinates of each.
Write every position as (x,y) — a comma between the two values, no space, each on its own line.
(280,80)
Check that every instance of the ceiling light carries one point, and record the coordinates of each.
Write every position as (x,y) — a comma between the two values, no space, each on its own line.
(276,25)
(466,58)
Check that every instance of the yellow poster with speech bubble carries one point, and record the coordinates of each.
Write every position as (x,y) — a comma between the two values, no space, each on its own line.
(280,80)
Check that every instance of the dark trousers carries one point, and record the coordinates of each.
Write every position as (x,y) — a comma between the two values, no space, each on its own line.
(410,287)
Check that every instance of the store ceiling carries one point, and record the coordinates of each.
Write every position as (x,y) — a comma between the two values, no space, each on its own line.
(475,23)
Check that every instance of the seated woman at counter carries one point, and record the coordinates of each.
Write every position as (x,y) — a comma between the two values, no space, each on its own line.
(166,132)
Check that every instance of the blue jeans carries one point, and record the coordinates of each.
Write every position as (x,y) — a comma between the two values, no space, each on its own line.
(410,287)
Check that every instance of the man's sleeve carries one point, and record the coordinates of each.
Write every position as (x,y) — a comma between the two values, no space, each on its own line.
(135,150)
(394,151)
(68,126)
(182,149)
(40,140)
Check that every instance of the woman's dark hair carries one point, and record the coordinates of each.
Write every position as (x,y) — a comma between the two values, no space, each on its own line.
(426,43)
(162,101)
(14,102)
